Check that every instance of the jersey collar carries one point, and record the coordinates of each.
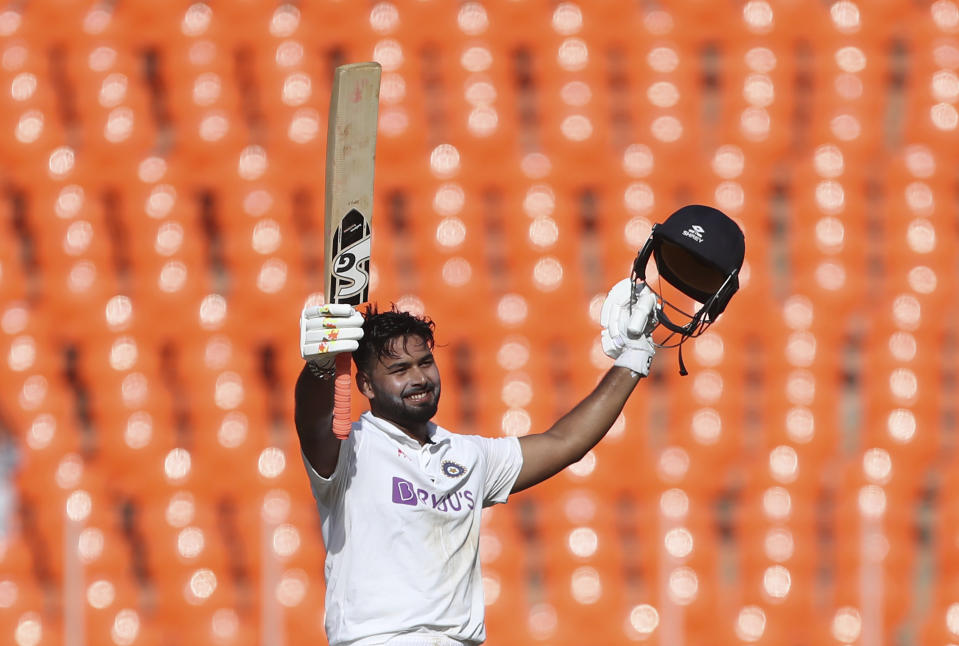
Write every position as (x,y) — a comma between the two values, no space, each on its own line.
(397,435)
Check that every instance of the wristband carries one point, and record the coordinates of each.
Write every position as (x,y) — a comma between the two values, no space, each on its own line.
(324,373)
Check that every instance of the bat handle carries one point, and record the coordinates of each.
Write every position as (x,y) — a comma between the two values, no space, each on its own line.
(341,396)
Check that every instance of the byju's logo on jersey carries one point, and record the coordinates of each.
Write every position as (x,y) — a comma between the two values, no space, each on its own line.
(695,232)
(406,493)
(453,469)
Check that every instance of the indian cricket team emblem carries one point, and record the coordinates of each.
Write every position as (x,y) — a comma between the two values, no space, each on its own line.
(453,470)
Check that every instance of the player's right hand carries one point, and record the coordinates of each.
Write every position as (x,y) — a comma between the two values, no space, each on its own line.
(327,330)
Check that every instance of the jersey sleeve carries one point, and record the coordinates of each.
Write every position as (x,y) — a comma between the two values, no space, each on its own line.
(322,487)
(504,459)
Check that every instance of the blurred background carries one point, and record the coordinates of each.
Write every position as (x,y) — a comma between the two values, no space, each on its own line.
(162,171)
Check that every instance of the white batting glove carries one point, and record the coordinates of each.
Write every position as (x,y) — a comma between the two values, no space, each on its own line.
(626,329)
(327,330)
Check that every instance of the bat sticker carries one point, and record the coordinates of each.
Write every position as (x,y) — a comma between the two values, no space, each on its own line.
(350,278)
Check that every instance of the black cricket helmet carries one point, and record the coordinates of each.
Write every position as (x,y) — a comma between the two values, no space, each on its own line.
(699,250)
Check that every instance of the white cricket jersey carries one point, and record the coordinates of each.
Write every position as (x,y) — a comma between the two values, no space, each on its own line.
(401,525)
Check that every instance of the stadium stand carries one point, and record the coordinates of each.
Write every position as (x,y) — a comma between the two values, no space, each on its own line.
(161,168)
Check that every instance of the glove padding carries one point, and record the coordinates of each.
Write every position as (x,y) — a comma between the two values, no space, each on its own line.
(327,330)
(626,330)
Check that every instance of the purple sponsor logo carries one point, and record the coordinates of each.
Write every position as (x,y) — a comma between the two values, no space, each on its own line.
(403,492)
(406,493)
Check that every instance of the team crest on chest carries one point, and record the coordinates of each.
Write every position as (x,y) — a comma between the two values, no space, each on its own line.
(453,469)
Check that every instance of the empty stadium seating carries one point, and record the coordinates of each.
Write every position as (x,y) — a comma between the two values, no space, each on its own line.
(161,167)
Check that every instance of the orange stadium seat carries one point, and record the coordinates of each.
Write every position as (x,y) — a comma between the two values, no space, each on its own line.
(573,119)
(24,330)
(14,279)
(126,390)
(665,108)
(74,228)
(205,103)
(241,207)
(222,624)
(918,267)
(223,363)
(105,552)
(930,111)
(274,546)
(848,92)
(277,468)
(41,414)
(742,186)
(511,21)
(801,379)
(506,587)
(66,513)
(758,98)
(204,612)
(113,104)
(938,622)
(24,607)
(300,595)
(624,214)
(404,131)
(247,22)
(222,457)
(39,402)
(706,411)
(483,115)
(31,124)
(106,602)
(171,554)
(875,500)
(766,545)
(166,224)
(686,22)
(347,35)
(131,441)
(82,294)
(903,405)
(23,599)
(42,628)
(293,91)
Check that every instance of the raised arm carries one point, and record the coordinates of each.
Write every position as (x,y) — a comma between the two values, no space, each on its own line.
(325,331)
(313,415)
(627,320)
(568,440)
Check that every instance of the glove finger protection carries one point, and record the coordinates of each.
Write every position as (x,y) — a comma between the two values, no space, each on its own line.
(328,330)
(617,301)
(329,309)
(642,321)
(621,321)
(626,326)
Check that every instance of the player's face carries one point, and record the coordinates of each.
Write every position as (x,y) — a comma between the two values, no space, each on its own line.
(404,386)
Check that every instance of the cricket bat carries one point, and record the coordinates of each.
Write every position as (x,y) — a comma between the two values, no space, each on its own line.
(348,207)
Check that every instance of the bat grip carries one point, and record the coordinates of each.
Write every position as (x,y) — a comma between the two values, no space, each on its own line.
(341,396)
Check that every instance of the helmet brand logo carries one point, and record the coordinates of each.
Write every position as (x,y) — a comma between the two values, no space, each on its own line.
(695,232)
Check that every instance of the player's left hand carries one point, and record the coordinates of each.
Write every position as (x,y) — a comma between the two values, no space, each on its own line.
(628,318)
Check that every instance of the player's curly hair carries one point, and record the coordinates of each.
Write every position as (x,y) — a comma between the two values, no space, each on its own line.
(379,328)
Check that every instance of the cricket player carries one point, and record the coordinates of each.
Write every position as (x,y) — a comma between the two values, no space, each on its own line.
(400,498)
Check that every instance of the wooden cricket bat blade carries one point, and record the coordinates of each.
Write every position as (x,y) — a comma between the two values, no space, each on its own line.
(348,204)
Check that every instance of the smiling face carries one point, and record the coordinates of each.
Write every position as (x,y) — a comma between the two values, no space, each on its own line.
(403,384)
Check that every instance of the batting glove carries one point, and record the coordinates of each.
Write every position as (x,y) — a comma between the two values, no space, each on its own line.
(628,319)
(327,330)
